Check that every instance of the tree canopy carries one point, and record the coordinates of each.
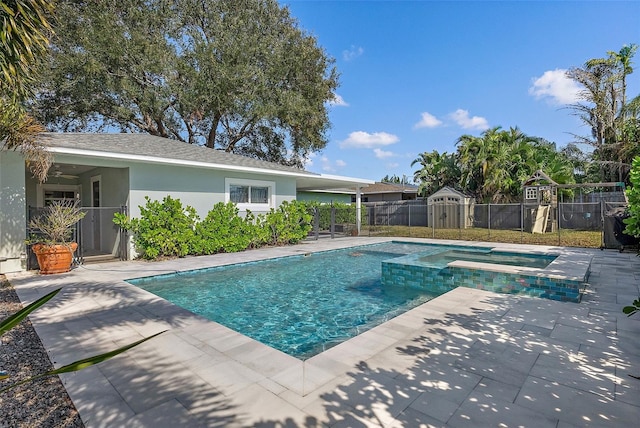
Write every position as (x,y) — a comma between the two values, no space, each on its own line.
(492,166)
(240,76)
(604,108)
(437,170)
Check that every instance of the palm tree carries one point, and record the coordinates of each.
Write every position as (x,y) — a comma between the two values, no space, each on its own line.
(437,170)
(483,163)
(605,110)
(24,40)
(623,60)
(494,165)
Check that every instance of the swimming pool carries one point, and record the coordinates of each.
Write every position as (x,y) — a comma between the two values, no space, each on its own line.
(303,305)
(300,305)
(442,259)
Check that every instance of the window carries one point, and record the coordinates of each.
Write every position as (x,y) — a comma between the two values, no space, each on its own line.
(531,193)
(49,193)
(51,196)
(239,194)
(249,194)
(244,194)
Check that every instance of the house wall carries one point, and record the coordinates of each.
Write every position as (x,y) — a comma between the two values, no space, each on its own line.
(12,213)
(127,183)
(200,188)
(115,186)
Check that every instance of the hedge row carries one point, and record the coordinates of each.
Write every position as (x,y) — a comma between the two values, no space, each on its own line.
(167,229)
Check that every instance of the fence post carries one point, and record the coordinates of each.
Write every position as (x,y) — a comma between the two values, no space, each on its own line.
(489,219)
(333,220)
(461,221)
(602,246)
(433,221)
(124,237)
(78,257)
(521,222)
(558,217)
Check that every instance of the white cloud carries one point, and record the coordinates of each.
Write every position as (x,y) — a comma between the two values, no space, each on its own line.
(393,165)
(352,53)
(555,86)
(326,164)
(329,166)
(461,117)
(364,140)
(338,101)
(428,121)
(381,154)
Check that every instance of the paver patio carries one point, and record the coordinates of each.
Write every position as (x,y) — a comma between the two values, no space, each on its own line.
(467,358)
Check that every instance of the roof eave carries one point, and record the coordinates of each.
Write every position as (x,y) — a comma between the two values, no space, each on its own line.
(178,162)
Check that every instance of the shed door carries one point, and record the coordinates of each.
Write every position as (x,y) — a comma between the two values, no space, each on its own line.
(446,213)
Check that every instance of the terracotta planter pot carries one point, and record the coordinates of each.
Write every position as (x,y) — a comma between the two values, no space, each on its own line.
(54,258)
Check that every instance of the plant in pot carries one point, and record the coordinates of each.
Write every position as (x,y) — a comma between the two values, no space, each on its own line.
(53,231)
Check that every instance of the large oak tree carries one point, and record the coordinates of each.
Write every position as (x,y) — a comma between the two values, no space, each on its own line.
(236,75)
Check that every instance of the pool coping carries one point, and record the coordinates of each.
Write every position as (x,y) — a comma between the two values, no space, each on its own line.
(93,300)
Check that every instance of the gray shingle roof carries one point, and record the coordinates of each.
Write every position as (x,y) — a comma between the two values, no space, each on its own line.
(158,147)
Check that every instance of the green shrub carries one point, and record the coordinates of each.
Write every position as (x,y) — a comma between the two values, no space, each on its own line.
(258,230)
(167,229)
(223,230)
(633,221)
(633,194)
(164,229)
(289,223)
(344,213)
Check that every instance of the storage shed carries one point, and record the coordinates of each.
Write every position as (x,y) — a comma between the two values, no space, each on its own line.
(450,209)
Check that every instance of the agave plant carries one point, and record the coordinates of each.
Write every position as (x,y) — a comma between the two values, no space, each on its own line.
(15,319)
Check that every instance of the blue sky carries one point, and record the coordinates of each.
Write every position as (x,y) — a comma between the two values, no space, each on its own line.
(416,75)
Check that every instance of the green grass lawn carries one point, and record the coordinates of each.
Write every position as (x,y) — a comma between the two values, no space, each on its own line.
(565,238)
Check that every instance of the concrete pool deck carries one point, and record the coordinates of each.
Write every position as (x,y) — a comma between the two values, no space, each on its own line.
(467,358)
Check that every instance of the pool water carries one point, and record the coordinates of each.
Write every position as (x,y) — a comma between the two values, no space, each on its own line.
(301,305)
(495,257)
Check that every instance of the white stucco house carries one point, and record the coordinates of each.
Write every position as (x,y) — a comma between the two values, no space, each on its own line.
(111,172)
